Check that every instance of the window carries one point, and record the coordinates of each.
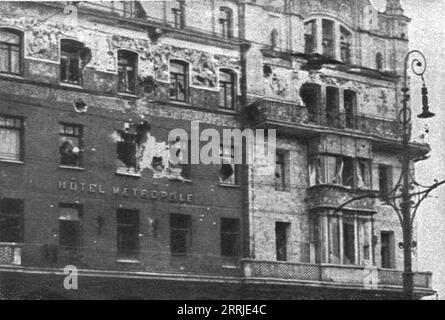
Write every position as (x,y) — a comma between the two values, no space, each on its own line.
(281,168)
(340,170)
(387,250)
(227,172)
(227,89)
(332,107)
(281,240)
(274,38)
(129,146)
(311,96)
(127,233)
(11,136)
(345,45)
(11,51)
(180,234)
(230,231)
(70,142)
(225,22)
(348,239)
(178,15)
(178,80)
(309,37)
(11,220)
(70,61)
(69,226)
(328,38)
(350,103)
(128,7)
(385,180)
(127,71)
(379,61)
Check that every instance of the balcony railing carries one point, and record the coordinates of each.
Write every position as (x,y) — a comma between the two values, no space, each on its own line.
(10,254)
(276,112)
(332,274)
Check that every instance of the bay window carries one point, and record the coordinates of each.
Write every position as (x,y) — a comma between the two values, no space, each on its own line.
(328,38)
(345,45)
(310,37)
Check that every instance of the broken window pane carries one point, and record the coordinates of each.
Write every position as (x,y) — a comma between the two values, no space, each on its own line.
(363,174)
(311,95)
(227,172)
(328,38)
(10,138)
(345,45)
(70,142)
(70,61)
(127,71)
(315,171)
(11,220)
(309,37)
(129,147)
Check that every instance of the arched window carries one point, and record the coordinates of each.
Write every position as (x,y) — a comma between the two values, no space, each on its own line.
(70,61)
(379,61)
(179,80)
(127,71)
(311,95)
(11,47)
(274,38)
(226,22)
(227,89)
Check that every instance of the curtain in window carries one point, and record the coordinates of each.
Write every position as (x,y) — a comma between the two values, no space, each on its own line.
(9,144)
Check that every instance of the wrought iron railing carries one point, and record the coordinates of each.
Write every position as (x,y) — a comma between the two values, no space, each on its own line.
(10,253)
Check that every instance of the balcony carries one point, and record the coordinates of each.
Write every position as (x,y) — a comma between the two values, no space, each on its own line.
(333,275)
(10,254)
(292,118)
(333,196)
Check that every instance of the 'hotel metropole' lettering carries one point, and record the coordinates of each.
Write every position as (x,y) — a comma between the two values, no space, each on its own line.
(75,186)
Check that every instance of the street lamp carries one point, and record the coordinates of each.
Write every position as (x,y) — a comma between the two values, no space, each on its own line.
(408,194)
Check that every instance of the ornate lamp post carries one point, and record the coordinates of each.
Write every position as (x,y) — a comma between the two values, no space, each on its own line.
(407,194)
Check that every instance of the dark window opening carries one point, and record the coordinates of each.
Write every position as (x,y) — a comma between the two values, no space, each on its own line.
(387,250)
(179,15)
(311,96)
(363,174)
(127,233)
(178,80)
(227,172)
(332,107)
(347,172)
(127,71)
(267,71)
(70,61)
(180,234)
(230,235)
(274,38)
(281,240)
(349,237)
(328,38)
(345,45)
(379,61)
(69,226)
(280,171)
(227,89)
(129,144)
(309,37)
(11,48)
(350,103)
(226,23)
(70,145)
(11,138)
(11,220)
(385,180)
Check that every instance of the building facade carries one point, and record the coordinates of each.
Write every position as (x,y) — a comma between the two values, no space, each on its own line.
(90,92)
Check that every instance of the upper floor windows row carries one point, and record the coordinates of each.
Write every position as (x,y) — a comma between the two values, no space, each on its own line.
(225,20)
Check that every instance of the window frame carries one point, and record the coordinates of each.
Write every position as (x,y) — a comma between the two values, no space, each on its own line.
(174,79)
(75,224)
(185,231)
(228,160)
(21,135)
(20,50)
(18,215)
(233,236)
(125,225)
(68,57)
(79,136)
(225,92)
(129,55)
(283,241)
(310,38)
(226,22)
